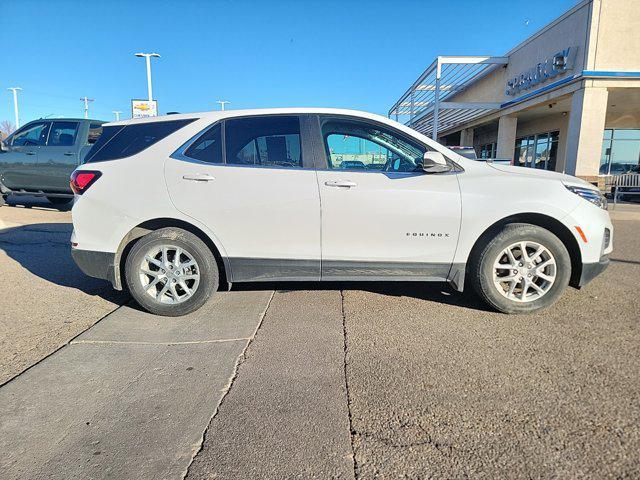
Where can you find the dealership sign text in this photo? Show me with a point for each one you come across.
(543, 71)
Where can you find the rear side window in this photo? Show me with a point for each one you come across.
(208, 147)
(127, 140)
(63, 134)
(267, 141)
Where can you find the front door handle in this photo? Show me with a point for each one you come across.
(341, 183)
(30, 153)
(199, 177)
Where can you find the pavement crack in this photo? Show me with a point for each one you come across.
(60, 347)
(227, 388)
(346, 385)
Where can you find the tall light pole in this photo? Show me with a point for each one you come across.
(15, 104)
(117, 114)
(147, 57)
(86, 105)
(222, 103)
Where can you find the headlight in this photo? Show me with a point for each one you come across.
(589, 194)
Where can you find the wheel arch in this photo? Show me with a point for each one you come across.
(555, 226)
(149, 226)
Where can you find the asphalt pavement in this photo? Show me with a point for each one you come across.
(379, 380)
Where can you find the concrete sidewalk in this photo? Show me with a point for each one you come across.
(287, 414)
(129, 398)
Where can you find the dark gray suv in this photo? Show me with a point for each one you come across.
(38, 158)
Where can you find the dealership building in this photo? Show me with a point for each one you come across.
(565, 99)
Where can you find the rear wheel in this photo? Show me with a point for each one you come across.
(59, 200)
(524, 268)
(171, 272)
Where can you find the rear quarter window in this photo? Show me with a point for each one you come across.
(123, 141)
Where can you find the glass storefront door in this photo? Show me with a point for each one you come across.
(620, 152)
(537, 151)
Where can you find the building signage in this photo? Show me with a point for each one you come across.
(144, 108)
(543, 71)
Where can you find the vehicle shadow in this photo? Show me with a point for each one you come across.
(43, 249)
(431, 291)
(27, 201)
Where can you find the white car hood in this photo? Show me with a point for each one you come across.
(542, 174)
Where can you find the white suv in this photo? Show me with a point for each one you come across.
(172, 206)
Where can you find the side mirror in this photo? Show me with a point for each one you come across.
(3, 148)
(434, 162)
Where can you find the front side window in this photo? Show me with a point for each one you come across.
(272, 141)
(208, 147)
(63, 134)
(125, 141)
(356, 145)
(31, 136)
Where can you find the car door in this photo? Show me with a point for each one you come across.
(382, 215)
(20, 163)
(58, 157)
(257, 195)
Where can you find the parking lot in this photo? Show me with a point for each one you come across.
(312, 381)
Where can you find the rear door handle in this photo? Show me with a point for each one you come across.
(199, 177)
(30, 153)
(341, 183)
(69, 154)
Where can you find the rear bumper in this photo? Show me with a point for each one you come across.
(592, 270)
(98, 265)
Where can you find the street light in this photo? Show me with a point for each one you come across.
(147, 57)
(222, 103)
(117, 114)
(15, 104)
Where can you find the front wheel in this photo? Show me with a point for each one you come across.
(522, 269)
(171, 272)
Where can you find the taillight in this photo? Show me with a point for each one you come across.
(81, 180)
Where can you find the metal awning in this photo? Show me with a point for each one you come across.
(425, 103)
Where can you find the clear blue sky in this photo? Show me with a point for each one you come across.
(352, 54)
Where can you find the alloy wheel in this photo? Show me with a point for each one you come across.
(169, 274)
(524, 271)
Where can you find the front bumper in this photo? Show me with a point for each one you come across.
(592, 270)
(98, 265)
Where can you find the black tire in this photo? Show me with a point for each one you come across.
(59, 200)
(193, 247)
(481, 268)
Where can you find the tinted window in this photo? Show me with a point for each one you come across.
(131, 139)
(31, 135)
(63, 134)
(208, 147)
(355, 145)
(95, 130)
(267, 141)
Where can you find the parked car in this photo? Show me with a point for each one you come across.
(174, 206)
(467, 152)
(38, 158)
